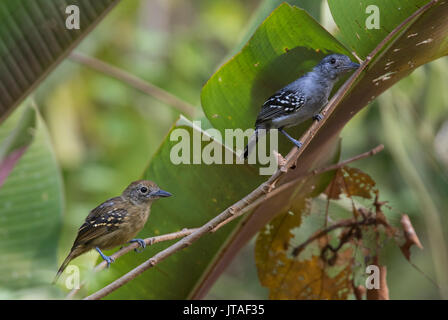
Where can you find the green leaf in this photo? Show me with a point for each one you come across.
(31, 204)
(400, 54)
(313, 7)
(15, 145)
(351, 17)
(34, 39)
(232, 98)
(200, 192)
(288, 44)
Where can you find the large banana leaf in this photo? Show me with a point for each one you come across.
(203, 191)
(356, 27)
(421, 38)
(200, 192)
(288, 43)
(31, 204)
(34, 39)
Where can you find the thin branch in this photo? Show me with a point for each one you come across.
(341, 224)
(135, 82)
(149, 241)
(181, 244)
(238, 209)
(293, 182)
(367, 154)
(265, 187)
(241, 204)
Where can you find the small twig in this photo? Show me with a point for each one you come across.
(149, 241)
(367, 154)
(241, 205)
(349, 223)
(274, 191)
(135, 82)
(224, 218)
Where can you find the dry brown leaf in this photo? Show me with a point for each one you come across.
(272, 242)
(289, 278)
(307, 280)
(410, 235)
(351, 182)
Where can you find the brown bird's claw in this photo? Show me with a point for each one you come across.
(108, 259)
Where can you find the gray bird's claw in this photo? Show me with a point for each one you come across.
(142, 244)
(318, 117)
(297, 143)
(109, 260)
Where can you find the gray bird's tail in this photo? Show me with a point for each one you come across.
(253, 140)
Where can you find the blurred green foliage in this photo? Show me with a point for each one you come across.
(104, 132)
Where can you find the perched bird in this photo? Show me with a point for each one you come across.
(116, 221)
(300, 100)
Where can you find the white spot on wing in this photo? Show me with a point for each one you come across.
(425, 41)
(384, 77)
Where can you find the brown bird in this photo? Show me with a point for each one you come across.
(116, 221)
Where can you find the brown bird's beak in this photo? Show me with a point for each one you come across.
(161, 193)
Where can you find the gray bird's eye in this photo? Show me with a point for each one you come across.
(333, 61)
(143, 189)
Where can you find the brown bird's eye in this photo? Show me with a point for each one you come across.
(333, 61)
(143, 189)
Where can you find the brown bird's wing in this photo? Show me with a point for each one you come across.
(101, 220)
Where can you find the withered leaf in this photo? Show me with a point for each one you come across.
(410, 236)
(351, 182)
(289, 278)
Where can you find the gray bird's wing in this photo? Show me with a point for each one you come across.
(280, 104)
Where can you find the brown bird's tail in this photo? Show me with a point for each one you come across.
(75, 252)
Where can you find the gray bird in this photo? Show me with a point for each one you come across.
(300, 100)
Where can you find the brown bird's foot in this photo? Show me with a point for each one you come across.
(142, 244)
(108, 259)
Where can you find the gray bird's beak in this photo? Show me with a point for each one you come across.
(354, 65)
(161, 193)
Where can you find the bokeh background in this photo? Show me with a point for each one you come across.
(104, 132)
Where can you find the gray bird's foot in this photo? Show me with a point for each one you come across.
(108, 259)
(142, 244)
(297, 143)
(318, 117)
